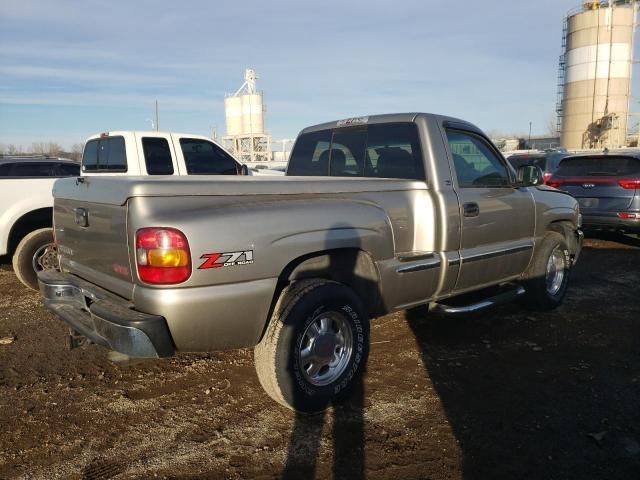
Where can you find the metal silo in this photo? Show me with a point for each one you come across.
(233, 115)
(244, 118)
(252, 113)
(596, 74)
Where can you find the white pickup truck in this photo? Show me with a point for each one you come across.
(25, 192)
(27, 205)
(156, 153)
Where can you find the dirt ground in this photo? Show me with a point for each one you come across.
(505, 394)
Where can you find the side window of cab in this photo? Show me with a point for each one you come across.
(475, 163)
(157, 156)
(106, 154)
(202, 157)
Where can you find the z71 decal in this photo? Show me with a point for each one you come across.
(228, 259)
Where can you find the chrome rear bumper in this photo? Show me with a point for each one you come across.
(104, 318)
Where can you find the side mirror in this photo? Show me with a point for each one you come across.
(244, 170)
(530, 175)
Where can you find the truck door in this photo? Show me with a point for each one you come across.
(497, 219)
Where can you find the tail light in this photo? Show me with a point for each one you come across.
(162, 255)
(555, 183)
(629, 215)
(629, 184)
(546, 177)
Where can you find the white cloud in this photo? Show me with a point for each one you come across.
(91, 99)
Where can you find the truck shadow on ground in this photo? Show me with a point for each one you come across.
(545, 395)
(620, 238)
(536, 395)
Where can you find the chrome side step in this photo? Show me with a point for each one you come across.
(504, 297)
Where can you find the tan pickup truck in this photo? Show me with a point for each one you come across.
(376, 214)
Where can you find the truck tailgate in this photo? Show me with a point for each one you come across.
(92, 240)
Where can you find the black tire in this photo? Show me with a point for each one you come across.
(542, 294)
(278, 357)
(23, 256)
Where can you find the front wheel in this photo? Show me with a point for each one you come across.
(316, 346)
(548, 276)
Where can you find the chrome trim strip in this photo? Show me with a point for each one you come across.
(496, 253)
(433, 263)
(408, 257)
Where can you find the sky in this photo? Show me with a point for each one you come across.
(69, 69)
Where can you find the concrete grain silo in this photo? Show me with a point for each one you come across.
(244, 118)
(595, 74)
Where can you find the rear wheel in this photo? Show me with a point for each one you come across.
(315, 347)
(34, 253)
(548, 276)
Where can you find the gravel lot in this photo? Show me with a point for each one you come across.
(505, 394)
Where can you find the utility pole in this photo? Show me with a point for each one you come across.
(529, 141)
(157, 118)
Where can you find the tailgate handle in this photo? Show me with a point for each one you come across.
(82, 216)
(471, 209)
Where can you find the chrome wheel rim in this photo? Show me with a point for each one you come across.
(46, 258)
(555, 271)
(325, 348)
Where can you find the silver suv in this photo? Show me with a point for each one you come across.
(607, 187)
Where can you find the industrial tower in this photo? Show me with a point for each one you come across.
(595, 74)
(244, 118)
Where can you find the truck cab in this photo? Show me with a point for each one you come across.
(134, 153)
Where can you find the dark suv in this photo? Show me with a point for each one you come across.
(547, 161)
(607, 187)
(37, 167)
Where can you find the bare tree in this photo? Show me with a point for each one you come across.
(76, 152)
(39, 148)
(54, 149)
(12, 150)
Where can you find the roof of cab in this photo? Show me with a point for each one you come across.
(35, 159)
(391, 118)
(148, 133)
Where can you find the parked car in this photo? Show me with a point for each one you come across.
(37, 166)
(607, 187)
(25, 223)
(376, 214)
(547, 161)
(25, 216)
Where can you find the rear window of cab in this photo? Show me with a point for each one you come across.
(39, 169)
(105, 155)
(372, 151)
